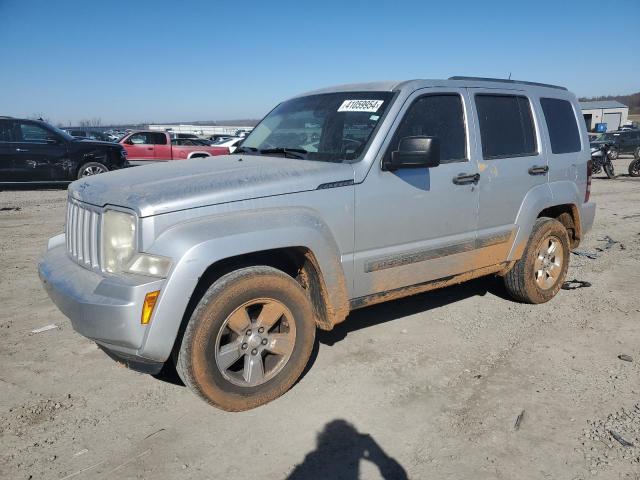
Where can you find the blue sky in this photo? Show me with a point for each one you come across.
(156, 60)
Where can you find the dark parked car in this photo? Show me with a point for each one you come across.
(89, 134)
(34, 151)
(621, 142)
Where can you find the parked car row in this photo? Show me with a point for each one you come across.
(620, 142)
(34, 151)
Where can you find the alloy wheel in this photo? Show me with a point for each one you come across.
(255, 342)
(548, 264)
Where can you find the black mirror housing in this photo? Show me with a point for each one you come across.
(415, 152)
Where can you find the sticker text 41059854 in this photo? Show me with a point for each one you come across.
(360, 106)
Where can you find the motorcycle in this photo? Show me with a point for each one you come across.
(601, 160)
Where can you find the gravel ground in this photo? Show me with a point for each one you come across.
(457, 383)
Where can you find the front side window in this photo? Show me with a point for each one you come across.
(561, 124)
(506, 126)
(34, 133)
(331, 127)
(140, 138)
(440, 116)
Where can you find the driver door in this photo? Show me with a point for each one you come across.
(415, 225)
(140, 146)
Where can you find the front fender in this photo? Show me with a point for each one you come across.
(197, 244)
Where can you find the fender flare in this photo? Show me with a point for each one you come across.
(198, 244)
(191, 154)
(535, 201)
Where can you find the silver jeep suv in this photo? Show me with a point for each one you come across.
(338, 199)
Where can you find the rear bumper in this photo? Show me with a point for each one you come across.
(103, 308)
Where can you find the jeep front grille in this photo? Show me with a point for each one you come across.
(82, 232)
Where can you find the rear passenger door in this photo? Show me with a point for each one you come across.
(512, 163)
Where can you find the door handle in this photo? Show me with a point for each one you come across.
(464, 179)
(21, 150)
(149, 148)
(536, 170)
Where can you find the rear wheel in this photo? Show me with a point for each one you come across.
(634, 168)
(248, 339)
(539, 274)
(92, 168)
(613, 154)
(636, 154)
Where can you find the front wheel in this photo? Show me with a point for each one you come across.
(539, 274)
(92, 168)
(634, 168)
(612, 154)
(608, 168)
(248, 340)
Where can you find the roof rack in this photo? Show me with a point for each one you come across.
(504, 80)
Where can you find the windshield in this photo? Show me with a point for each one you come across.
(606, 137)
(331, 127)
(62, 133)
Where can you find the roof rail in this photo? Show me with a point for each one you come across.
(5, 116)
(504, 80)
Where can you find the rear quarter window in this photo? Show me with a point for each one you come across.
(506, 126)
(561, 124)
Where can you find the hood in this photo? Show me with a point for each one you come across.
(82, 142)
(183, 184)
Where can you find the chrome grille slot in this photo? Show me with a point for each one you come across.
(82, 230)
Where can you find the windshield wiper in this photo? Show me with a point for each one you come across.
(293, 152)
(245, 149)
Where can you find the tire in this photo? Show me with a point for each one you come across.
(634, 168)
(94, 167)
(608, 169)
(636, 154)
(613, 154)
(214, 337)
(522, 280)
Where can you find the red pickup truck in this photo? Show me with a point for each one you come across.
(148, 146)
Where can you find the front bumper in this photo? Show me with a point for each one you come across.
(103, 308)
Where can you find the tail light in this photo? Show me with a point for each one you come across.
(587, 193)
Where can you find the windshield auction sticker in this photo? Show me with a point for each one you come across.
(371, 106)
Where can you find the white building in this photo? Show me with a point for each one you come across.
(201, 130)
(613, 113)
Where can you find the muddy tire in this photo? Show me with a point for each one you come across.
(608, 169)
(539, 274)
(248, 340)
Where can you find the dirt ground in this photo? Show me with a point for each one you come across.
(430, 387)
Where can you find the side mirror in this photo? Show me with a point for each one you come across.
(415, 152)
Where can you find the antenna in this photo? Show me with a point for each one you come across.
(509, 75)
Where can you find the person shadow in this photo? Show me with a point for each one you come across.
(340, 448)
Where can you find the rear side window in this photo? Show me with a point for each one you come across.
(506, 126)
(439, 116)
(158, 138)
(6, 133)
(562, 125)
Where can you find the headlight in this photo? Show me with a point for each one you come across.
(118, 240)
(153, 265)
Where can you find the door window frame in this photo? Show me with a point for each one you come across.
(410, 102)
(534, 121)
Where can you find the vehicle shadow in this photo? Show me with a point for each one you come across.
(422, 302)
(382, 313)
(340, 448)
